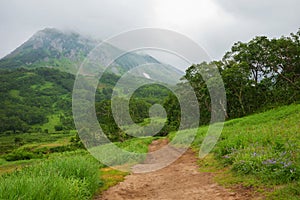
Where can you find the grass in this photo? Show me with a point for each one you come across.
(134, 150)
(68, 175)
(10, 166)
(261, 151)
(53, 120)
(144, 129)
(265, 145)
(110, 177)
(65, 176)
(8, 143)
(31, 142)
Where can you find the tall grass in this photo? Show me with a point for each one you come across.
(60, 177)
(67, 175)
(265, 145)
(112, 156)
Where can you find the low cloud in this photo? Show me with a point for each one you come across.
(214, 24)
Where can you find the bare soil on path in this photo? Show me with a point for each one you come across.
(180, 180)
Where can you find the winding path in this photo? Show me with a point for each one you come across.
(180, 180)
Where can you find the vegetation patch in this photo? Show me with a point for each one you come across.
(134, 151)
(110, 177)
(65, 177)
(260, 151)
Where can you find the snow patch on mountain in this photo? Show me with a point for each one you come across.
(146, 75)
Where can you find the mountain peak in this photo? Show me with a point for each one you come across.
(66, 51)
(49, 30)
(46, 47)
(56, 33)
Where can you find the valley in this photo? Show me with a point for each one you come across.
(43, 151)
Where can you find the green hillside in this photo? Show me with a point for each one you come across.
(30, 97)
(40, 101)
(260, 151)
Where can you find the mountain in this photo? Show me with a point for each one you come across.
(66, 51)
(50, 48)
(37, 82)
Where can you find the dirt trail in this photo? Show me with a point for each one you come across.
(180, 180)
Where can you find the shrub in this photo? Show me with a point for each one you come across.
(20, 154)
(58, 127)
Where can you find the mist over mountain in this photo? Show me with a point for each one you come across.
(50, 48)
(66, 51)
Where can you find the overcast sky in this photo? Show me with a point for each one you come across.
(214, 24)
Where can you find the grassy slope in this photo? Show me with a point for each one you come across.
(113, 157)
(77, 174)
(261, 151)
(8, 143)
(53, 120)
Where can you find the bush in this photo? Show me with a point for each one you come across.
(62, 148)
(20, 154)
(30, 153)
(58, 127)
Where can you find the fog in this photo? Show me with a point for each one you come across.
(213, 24)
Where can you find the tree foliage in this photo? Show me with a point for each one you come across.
(257, 75)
